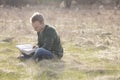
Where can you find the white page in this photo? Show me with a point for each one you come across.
(26, 48)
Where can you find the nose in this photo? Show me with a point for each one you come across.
(35, 27)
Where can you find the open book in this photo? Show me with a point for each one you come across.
(26, 48)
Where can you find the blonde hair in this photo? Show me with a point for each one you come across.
(37, 17)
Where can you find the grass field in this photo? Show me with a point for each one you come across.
(90, 38)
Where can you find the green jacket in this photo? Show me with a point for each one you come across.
(48, 39)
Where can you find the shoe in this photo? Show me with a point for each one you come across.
(23, 58)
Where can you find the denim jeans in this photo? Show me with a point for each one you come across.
(41, 54)
(38, 55)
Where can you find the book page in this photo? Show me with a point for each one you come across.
(26, 48)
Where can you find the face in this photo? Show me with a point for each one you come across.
(38, 26)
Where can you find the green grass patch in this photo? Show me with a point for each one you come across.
(73, 75)
(13, 69)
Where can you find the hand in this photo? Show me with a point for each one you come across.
(34, 47)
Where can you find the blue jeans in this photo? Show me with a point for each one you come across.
(41, 54)
(38, 55)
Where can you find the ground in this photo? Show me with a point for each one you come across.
(90, 38)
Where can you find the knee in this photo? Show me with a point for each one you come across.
(38, 54)
(38, 51)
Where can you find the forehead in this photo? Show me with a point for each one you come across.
(36, 23)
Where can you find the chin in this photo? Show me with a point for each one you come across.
(37, 30)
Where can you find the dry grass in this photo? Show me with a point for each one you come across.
(90, 39)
